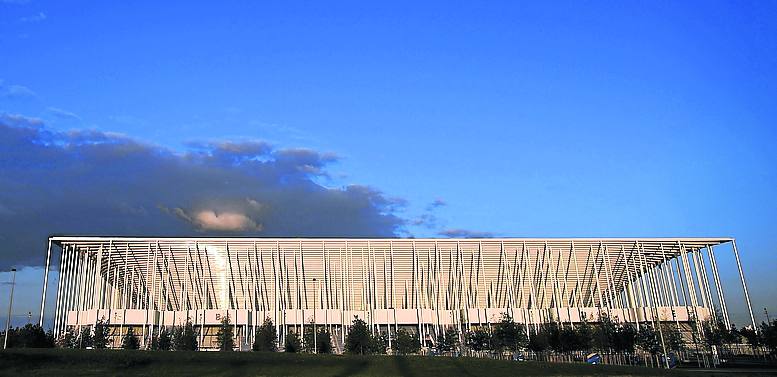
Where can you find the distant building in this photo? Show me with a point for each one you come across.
(421, 284)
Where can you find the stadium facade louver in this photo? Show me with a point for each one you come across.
(421, 284)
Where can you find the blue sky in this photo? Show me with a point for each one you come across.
(546, 119)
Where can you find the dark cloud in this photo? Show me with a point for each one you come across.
(437, 203)
(93, 182)
(464, 233)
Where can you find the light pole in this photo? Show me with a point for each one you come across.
(10, 305)
(315, 306)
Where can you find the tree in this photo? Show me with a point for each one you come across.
(508, 335)
(85, 338)
(292, 344)
(162, 342)
(101, 333)
(184, 337)
(225, 336)
(29, 336)
(769, 335)
(647, 340)
(605, 334)
(674, 339)
(753, 338)
(69, 339)
(448, 341)
(538, 341)
(378, 343)
(308, 340)
(553, 334)
(478, 339)
(323, 341)
(358, 339)
(407, 342)
(266, 337)
(714, 333)
(581, 338)
(130, 341)
(625, 338)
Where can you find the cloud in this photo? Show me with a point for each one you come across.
(40, 16)
(464, 233)
(63, 114)
(429, 219)
(437, 203)
(93, 182)
(15, 91)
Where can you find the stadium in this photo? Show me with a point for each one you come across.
(423, 285)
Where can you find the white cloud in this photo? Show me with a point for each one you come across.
(225, 221)
(34, 18)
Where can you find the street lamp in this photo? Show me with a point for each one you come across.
(10, 305)
(315, 306)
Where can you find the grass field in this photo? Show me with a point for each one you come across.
(61, 362)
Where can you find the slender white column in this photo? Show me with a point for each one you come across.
(45, 284)
(744, 284)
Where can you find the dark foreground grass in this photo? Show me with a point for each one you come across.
(63, 362)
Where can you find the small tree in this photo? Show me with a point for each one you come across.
(358, 339)
(509, 335)
(625, 338)
(30, 336)
(769, 335)
(225, 336)
(407, 342)
(101, 334)
(379, 343)
(324, 341)
(266, 337)
(448, 341)
(753, 338)
(538, 341)
(184, 337)
(292, 343)
(162, 342)
(307, 338)
(130, 341)
(85, 339)
(605, 334)
(478, 339)
(647, 340)
(69, 339)
(674, 339)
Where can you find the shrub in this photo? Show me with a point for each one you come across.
(184, 337)
(478, 339)
(292, 343)
(266, 337)
(100, 337)
(508, 335)
(378, 343)
(162, 342)
(130, 341)
(85, 338)
(323, 341)
(407, 342)
(448, 341)
(358, 339)
(225, 336)
(538, 342)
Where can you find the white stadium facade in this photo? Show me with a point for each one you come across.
(424, 285)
